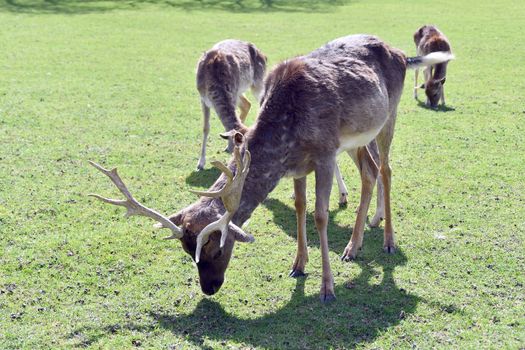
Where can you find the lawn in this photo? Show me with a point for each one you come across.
(114, 82)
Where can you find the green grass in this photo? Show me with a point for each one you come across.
(113, 82)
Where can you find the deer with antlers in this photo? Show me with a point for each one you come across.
(336, 99)
(224, 73)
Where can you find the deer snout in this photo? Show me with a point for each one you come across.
(211, 287)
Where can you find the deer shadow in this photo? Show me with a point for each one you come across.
(439, 108)
(203, 178)
(365, 307)
(73, 7)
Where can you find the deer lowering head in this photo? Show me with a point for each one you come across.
(338, 98)
(224, 73)
(429, 40)
(206, 234)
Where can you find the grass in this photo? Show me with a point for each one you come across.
(113, 81)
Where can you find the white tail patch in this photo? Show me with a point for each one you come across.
(434, 58)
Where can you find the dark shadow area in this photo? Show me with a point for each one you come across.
(203, 178)
(241, 6)
(365, 307)
(338, 236)
(439, 108)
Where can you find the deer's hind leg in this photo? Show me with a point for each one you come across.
(384, 140)
(324, 175)
(205, 132)
(416, 87)
(343, 191)
(380, 204)
(245, 106)
(368, 171)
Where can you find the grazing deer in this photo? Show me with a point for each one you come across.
(338, 98)
(429, 39)
(224, 73)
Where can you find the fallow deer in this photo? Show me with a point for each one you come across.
(338, 98)
(224, 73)
(429, 39)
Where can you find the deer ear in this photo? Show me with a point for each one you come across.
(226, 135)
(442, 80)
(240, 235)
(422, 86)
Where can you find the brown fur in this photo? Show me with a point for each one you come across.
(224, 73)
(430, 39)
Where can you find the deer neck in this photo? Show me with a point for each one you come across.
(269, 148)
(440, 71)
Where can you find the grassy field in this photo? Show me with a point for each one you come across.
(113, 81)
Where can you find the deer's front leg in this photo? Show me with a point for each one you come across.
(324, 175)
(301, 257)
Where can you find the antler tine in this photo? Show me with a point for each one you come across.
(230, 195)
(225, 189)
(132, 205)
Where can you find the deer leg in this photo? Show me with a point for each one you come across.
(427, 72)
(245, 106)
(384, 140)
(257, 89)
(380, 207)
(343, 192)
(301, 257)
(324, 176)
(368, 170)
(205, 131)
(443, 95)
(416, 87)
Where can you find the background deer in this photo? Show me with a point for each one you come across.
(224, 73)
(429, 39)
(338, 98)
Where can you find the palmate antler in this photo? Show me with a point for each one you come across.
(132, 205)
(230, 195)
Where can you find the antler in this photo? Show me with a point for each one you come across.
(230, 195)
(132, 205)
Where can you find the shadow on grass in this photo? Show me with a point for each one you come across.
(365, 307)
(440, 108)
(203, 178)
(240, 6)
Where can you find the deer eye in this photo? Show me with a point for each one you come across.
(218, 254)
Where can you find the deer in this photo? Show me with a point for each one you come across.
(336, 99)
(429, 39)
(224, 73)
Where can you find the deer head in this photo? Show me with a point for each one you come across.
(204, 228)
(433, 90)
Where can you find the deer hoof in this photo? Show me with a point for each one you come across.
(327, 298)
(389, 249)
(297, 273)
(376, 221)
(343, 200)
(350, 253)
